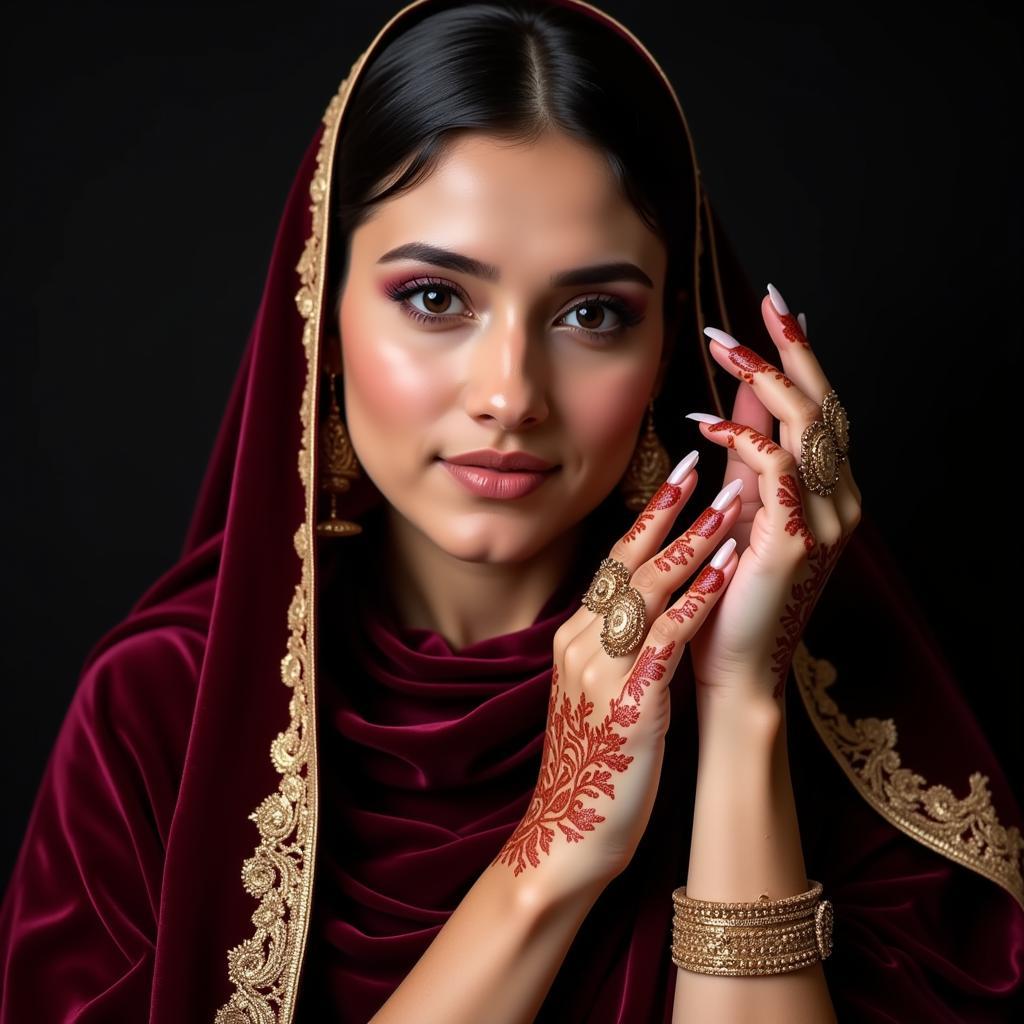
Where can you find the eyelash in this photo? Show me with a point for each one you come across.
(399, 293)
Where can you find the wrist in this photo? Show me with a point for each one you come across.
(536, 895)
(744, 716)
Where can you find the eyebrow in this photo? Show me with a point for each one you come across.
(596, 274)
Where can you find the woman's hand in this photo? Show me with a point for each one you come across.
(607, 716)
(788, 537)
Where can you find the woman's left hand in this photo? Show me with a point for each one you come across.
(788, 537)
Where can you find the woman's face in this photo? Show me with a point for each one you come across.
(535, 326)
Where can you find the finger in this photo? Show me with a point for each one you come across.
(671, 631)
(653, 523)
(649, 529)
(746, 408)
(785, 500)
(794, 409)
(803, 367)
(659, 577)
(661, 651)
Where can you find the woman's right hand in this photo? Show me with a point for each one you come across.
(608, 716)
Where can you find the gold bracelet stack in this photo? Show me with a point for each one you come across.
(764, 937)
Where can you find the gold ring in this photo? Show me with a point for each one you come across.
(819, 461)
(623, 608)
(835, 418)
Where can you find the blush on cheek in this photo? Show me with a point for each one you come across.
(601, 415)
(391, 385)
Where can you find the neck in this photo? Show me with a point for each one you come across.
(467, 602)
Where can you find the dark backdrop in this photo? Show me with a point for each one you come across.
(868, 164)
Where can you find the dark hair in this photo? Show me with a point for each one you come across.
(513, 70)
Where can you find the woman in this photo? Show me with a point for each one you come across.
(446, 634)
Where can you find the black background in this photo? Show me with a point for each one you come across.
(866, 162)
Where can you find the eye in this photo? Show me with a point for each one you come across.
(437, 297)
(592, 311)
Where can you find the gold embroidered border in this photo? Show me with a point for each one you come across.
(265, 967)
(966, 830)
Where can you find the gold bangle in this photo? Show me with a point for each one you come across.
(759, 938)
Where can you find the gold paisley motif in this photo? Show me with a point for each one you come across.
(966, 830)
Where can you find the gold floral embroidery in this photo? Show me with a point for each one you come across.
(967, 830)
(265, 967)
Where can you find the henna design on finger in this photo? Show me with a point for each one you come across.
(573, 751)
(709, 581)
(793, 331)
(822, 561)
(749, 362)
(666, 496)
(763, 442)
(681, 550)
(789, 497)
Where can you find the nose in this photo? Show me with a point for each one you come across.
(507, 378)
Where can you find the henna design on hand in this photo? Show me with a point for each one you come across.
(666, 496)
(681, 550)
(749, 363)
(735, 429)
(793, 331)
(789, 496)
(708, 581)
(573, 751)
(822, 561)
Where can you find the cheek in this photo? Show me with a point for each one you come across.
(388, 388)
(602, 414)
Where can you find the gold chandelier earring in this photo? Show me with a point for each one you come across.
(339, 467)
(648, 469)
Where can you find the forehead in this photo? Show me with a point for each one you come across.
(519, 205)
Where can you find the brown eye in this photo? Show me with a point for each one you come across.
(436, 300)
(590, 316)
(593, 320)
(436, 297)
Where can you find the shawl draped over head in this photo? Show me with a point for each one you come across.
(266, 798)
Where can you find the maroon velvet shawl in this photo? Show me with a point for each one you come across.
(221, 752)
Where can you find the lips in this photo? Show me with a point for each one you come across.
(490, 458)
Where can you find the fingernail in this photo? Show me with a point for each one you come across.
(703, 417)
(802, 320)
(726, 495)
(726, 339)
(723, 554)
(778, 301)
(680, 472)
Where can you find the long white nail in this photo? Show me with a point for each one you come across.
(724, 553)
(703, 417)
(802, 319)
(726, 495)
(679, 473)
(778, 301)
(720, 336)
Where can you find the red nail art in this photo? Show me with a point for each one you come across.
(573, 752)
